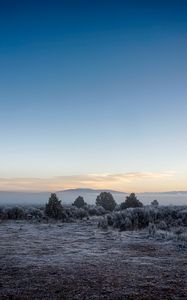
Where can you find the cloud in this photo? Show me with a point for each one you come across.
(120, 181)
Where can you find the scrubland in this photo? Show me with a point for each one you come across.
(91, 253)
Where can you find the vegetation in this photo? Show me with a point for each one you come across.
(15, 213)
(53, 208)
(79, 202)
(52, 211)
(155, 203)
(131, 201)
(157, 218)
(160, 221)
(106, 200)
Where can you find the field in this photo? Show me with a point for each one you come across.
(78, 260)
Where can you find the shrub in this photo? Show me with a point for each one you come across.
(152, 229)
(126, 225)
(94, 210)
(80, 213)
(183, 216)
(16, 213)
(34, 213)
(162, 218)
(103, 223)
(3, 214)
(162, 225)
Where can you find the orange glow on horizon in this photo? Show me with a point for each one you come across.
(126, 182)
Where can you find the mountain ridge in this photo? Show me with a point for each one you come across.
(89, 190)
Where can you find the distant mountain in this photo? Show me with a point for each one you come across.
(82, 190)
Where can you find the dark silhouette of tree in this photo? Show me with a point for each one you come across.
(53, 208)
(106, 200)
(155, 203)
(131, 201)
(79, 202)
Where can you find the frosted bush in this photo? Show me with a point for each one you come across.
(127, 224)
(3, 214)
(140, 217)
(117, 219)
(183, 237)
(16, 213)
(178, 231)
(160, 234)
(183, 216)
(152, 230)
(103, 223)
(162, 225)
(81, 213)
(110, 220)
(94, 210)
(34, 213)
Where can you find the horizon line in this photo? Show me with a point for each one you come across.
(92, 189)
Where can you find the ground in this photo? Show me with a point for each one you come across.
(79, 261)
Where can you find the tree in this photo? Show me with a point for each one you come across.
(155, 203)
(106, 200)
(53, 208)
(79, 202)
(131, 201)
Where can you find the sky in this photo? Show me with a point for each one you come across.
(93, 94)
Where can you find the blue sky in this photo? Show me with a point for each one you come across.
(93, 88)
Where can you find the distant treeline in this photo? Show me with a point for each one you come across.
(129, 215)
(54, 209)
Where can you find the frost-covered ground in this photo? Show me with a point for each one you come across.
(79, 261)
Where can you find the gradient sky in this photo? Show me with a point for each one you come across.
(93, 94)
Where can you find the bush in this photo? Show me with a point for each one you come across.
(161, 218)
(3, 214)
(103, 223)
(34, 213)
(95, 210)
(80, 213)
(16, 213)
(162, 225)
(183, 216)
(106, 200)
(131, 201)
(126, 224)
(152, 229)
